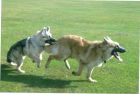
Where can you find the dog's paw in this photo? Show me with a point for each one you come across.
(21, 71)
(92, 80)
(75, 73)
(33, 61)
(46, 67)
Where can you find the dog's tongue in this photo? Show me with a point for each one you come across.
(117, 56)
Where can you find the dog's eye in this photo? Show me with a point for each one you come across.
(49, 37)
(117, 46)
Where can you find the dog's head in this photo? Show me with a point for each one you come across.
(114, 48)
(45, 36)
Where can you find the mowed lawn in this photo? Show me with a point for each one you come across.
(92, 20)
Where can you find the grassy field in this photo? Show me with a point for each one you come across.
(90, 19)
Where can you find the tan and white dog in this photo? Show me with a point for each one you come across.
(88, 53)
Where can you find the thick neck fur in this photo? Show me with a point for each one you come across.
(98, 49)
(103, 49)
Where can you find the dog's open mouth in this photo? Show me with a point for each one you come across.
(115, 52)
(117, 55)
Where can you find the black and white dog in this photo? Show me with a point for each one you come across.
(32, 46)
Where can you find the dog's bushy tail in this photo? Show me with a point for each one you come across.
(9, 60)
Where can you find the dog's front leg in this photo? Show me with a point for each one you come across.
(19, 64)
(90, 69)
(67, 64)
(37, 60)
(78, 73)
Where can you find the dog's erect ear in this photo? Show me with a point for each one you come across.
(42, 31)
(48, 31)
(48, 28)
(107, 39)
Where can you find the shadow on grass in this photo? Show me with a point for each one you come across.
(7, 74)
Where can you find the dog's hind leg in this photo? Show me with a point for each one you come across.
(57, 57)
(78, 73)
(67, 64)
(51, 57)
(19, 65)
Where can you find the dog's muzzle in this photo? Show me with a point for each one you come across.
(50, 41)
(115, 52)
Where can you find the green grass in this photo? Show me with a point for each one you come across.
(90, 19)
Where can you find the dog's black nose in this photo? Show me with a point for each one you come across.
(119, 49)
(122, 50)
